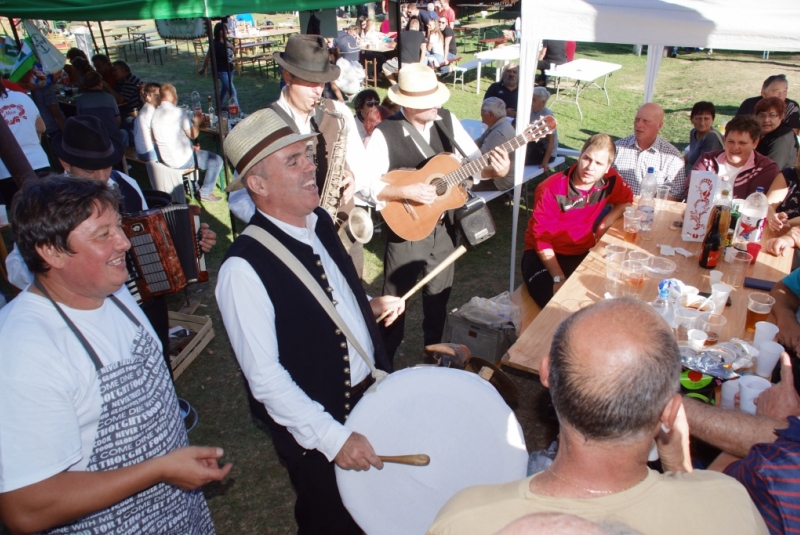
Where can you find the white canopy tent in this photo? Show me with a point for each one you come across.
(721, 24)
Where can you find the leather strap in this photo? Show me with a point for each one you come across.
(278, 249)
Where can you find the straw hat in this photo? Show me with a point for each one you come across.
(306, 56)
(256, 137)
(418, 88)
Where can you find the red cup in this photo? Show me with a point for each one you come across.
(753, 249)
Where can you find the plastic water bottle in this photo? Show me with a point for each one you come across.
(647, 203)
(663, 304)
(752, 216)
(212, 114)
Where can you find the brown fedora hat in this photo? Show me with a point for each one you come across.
(306, 56)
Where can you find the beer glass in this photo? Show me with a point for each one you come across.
(631, 225)
(759, 306)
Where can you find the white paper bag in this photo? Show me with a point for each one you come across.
(699, 201)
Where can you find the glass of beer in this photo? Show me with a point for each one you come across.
(633, 273)
(712, 324)
(631, 225)
(759, 305)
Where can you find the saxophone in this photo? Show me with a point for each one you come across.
(355, 225)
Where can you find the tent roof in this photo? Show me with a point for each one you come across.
(725, 24)
(149, 9)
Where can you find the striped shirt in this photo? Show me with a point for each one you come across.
(128, 88)
(771, 473)
(632, 163)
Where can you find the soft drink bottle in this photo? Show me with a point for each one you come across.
(752, 216)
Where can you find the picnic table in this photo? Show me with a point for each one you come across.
(588, 283)
(128, 27)
(585, 73)
(503, 53)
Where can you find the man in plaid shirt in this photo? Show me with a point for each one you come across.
(646, 149)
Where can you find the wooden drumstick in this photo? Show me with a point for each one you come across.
(438, 269)
(419, 459)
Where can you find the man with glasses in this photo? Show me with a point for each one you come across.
(775, 86)
(449, 39)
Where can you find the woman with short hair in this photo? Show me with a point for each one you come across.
(778, 141)
(703, 137)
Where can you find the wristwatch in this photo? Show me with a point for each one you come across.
(558, 279)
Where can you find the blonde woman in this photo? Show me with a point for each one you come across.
(435, 44)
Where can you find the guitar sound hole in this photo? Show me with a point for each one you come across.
(440, 185)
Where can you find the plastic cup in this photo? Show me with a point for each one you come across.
(764, 332)
(715, 277)
(769, 353)
(729, 390)
(713, 325)
(697, 339)
(615, 255)
(631, 225)
(759, 305)
(738, 268)
(753, 249)
(750, 387)
(3, 215)
(639, 256)
(633, 277)
(685, 320)
(719, 296)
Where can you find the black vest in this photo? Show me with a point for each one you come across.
(403, 152)
(131, 200)
(310, 346)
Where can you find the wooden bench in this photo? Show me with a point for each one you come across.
(461, 69)
(531, 172)
(491, 42)
(157, 48)
(527, 306)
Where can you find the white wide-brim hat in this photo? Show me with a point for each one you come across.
(418, 88)
(256, 137)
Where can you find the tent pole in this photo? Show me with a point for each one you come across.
(16, 35)
(94, 41)
(103, 37)
(215, 76)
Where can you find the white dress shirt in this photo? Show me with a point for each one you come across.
(249, 317)
(378, 149)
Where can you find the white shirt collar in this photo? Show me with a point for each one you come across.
(301, 234)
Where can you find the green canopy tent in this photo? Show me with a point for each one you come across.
(150, 9)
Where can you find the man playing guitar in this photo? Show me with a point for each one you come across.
(407, 139)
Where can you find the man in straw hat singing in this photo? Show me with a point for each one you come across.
(306, 69)
(421, 127)
(305, 374)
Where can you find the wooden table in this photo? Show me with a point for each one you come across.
(584, 72)
(589, 283)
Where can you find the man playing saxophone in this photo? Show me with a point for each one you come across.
(306, 69)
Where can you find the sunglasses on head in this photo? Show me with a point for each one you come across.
(372, 103)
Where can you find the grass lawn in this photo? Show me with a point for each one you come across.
(257, 497)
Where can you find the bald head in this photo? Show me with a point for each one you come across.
(562, 524)
(647, 124)
(613, 367)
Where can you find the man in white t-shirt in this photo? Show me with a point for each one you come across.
(173, 132)
(91, 437)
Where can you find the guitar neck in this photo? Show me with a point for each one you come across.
(467, 170)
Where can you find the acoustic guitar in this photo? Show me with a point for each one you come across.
(414, 221)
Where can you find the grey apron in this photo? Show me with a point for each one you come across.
(140, 420)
